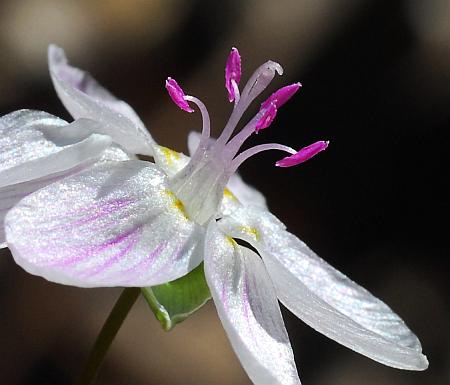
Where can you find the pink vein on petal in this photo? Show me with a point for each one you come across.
(174, 257)
(247, 310)
(117, 257)
(145, 263)
(91, 250)
(104, 209)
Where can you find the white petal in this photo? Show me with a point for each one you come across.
(21, 139)
(244, 193)
(248, 308)
(116, 153)
(36, 149)
(168, 160)
(323, 297)
(116, 224)
(85, 98)
(34, 144)
(194, 140)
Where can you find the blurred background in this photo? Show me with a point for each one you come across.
(376, 83)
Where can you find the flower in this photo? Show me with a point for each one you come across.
(136, 223)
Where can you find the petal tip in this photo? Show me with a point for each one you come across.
(56, 55)
(424, 363)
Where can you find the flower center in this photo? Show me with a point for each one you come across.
(200, 185)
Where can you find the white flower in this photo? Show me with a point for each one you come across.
(136, 223)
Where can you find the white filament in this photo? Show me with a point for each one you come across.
(243, 156)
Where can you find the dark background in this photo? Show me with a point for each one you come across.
(376, 83)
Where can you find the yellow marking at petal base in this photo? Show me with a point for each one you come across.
(170, 155)
(252, 231)
(228, 194)
(170, 193)
(176, 203)
(231, 241)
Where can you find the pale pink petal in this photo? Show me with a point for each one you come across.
(323, 297)
(117, 224)
(245, 193)
(248, 308)
(85, 98)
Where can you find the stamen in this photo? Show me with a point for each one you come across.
(264, 117)
(268, 115)
(200, 185)
(303, 155)
(281, 96)
(233, 74)
(233, 146)
(257, 83)
(237, 95)
(206, 130)
(177, 95)
(243, 156)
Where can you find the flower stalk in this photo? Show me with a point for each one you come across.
(109, 331)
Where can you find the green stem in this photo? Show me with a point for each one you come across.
(109, 330)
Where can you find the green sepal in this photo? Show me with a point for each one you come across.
(175, 301)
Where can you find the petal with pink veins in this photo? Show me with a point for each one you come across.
(248, 308)
(322, 296)
(116, 224)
